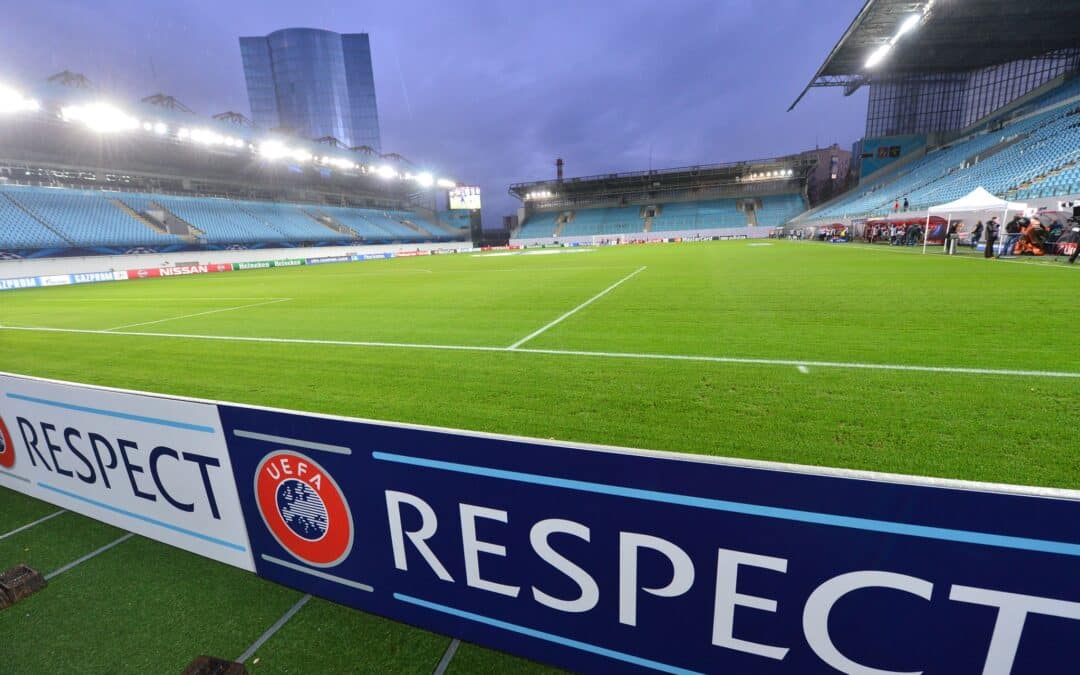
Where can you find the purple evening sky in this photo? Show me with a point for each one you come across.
(490, 91)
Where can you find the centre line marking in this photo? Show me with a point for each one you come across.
(959, 370)
(188, 316)
(580, 307)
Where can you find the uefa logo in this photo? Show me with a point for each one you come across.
(303, 508)
(7, 448)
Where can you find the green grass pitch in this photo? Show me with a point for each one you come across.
(424, 340)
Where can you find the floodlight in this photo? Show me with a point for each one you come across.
(273, 149)
(183, 133)
(301, 155)
(446, 183)
(12, 101)
(878, 54)
(160, 128)
(425, 179)
(387, 172)
(100, 117)
(909, 25)
(147, 126)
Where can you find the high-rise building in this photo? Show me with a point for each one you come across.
(315, 82)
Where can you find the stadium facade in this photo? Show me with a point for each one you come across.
(315, 82)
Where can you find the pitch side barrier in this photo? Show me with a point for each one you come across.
(598, 559)
(184, 270)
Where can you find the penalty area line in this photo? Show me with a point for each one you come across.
(577, 309)
(188, 316)
(955, 370)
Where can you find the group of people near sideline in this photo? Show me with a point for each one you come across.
(1020, 236)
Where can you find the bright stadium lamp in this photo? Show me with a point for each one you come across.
(12, 101)
(386, 172)
(160, 129)
(183, 133)
(425, 179)
(877, 55)
(100, 117)
(301, 155)
(273, 149)
(446, 183)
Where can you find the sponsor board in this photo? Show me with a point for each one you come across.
(24, 282)
(56, 280)
(323, 261)
(144, 273)
(94, 277)
(409, 254)
(155, 466)
(594, 558)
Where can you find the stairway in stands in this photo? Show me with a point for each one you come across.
(138, 216)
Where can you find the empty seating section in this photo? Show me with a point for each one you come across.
(34, 218)
(779, 209)
(291, 221)
(585, 222)
(699, 215)
(539, 225)
(18, 229)
(221, 220)
(1034, 156)
(81, 218)
(712, 214)
(376, 225)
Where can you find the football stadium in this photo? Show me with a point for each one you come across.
(273, 400)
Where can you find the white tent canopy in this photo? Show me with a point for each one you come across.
(976, 201)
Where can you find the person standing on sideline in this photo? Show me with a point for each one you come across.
(896, 205)
(906, 205)
(991, 236)
(1012, 235)
(976, 235)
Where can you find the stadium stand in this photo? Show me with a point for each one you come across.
(23, 230)
(779, 209)
(47, 218)
(82, 218)
(715, 214)
(698, 215)
(1035, 154)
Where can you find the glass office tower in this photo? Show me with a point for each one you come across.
(315, 82)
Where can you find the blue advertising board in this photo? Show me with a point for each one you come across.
(605, 559)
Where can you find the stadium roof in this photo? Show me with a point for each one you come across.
(952, 35)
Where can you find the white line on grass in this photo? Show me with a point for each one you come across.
(580, 307)
(274, 629)
(88, 556)
(29, 525)
(188, 316)
(447, 657)
(569, 352)
(803, 369)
